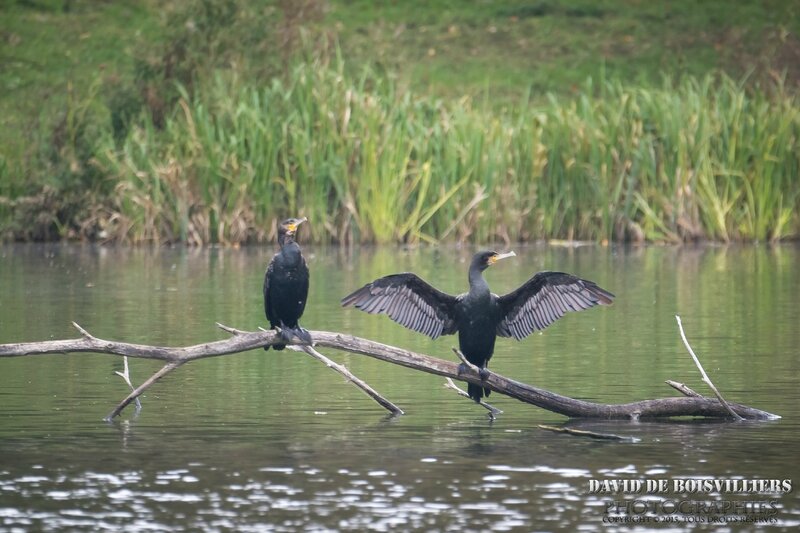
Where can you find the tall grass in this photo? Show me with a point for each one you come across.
(368, 163)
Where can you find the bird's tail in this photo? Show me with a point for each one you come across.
(476, 392)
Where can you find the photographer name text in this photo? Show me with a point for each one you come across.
(690, 486)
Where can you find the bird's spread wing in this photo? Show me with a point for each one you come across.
(545, 298)
(409, 301)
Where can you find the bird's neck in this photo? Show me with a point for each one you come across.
(284, 239)
(477, 283)
(290, 251)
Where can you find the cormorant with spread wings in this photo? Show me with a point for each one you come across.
(478, 316)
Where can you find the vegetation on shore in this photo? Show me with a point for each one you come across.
(694, 159)
(194, 150)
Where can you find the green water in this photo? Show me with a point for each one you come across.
(266, 441)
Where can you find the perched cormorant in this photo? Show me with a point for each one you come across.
(478, 316)
(286, 285)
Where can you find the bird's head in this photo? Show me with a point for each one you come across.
(483, 260)
(288, 228)
(290, 225)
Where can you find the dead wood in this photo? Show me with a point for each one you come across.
(590, 434)
(696, 406)
(706, 379)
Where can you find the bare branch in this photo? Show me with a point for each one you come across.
(657, 408)
(683, 389)
(166, 369)
(126, 375)
(591, 434)
(341, 369)
(232, 331)
(493, 411)
(83, 331)
(706, 379)
(466, 363)
(241, 342)
(245, 340)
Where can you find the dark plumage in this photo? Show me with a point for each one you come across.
(478, 316)
(286, 285)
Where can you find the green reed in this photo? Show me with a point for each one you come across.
(366, 162)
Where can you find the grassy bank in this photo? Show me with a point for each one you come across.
(451, 48)
(365, 163)
(458, 121)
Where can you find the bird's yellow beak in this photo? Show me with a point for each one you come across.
(497, 257)
(293, 227)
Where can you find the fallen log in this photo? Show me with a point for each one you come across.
(240, 341)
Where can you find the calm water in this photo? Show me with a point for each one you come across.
(275, 441)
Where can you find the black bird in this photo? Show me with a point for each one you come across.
(478, 316)
(286, 285)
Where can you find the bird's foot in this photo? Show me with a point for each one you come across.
(463, 369)
(484, 374)
(303, 335)
(285, 333)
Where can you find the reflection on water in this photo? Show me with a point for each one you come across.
(266, 440)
